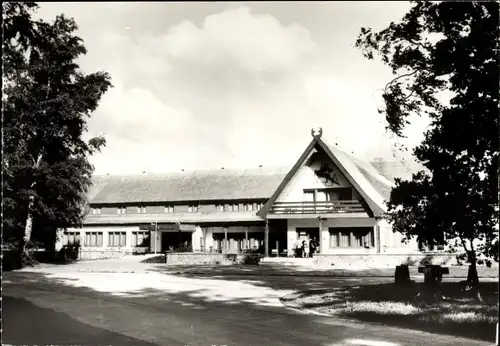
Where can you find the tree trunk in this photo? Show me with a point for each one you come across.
(24, 255)
(472, 277)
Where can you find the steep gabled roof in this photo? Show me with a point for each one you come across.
(370, 184)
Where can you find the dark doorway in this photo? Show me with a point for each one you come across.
(312, 232)
(176, 241)
(311, 236)
(278, 238)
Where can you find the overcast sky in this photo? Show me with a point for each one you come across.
(206, 85)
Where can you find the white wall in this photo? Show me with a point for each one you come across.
(293, 224)
(196, 239)
(305, 178)
(391, 242)
(105, 236)
(209, 236)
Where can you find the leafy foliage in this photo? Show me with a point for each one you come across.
(47, 101)
(450, 47)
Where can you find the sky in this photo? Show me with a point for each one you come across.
(232, 84)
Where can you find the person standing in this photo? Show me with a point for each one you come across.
(306, 246)
(313, 246)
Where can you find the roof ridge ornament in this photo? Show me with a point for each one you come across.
(317, 133)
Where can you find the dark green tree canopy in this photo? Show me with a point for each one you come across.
(47, 101)
(452, 47)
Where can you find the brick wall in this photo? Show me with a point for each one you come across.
(104, 253)
(210, 258)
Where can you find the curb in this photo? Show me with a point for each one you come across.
(332, 275)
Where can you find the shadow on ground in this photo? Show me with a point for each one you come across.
(193, 310)
(167, 316)
(280, 269)
(25, 323)
(446, 309)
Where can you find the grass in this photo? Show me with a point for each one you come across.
(445, 309)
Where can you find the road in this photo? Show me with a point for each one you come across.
(159, 309)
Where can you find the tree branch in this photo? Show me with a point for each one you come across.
(399, 77)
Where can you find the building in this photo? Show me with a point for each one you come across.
(329, 195)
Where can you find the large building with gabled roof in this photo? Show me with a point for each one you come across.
(329, 195)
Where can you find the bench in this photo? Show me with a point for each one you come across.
(433, 273)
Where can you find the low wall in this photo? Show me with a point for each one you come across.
(194, 258)
(106, 253)
(381, 260)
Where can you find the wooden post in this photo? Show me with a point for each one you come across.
(247, 245)
(226, 245)
(277, 249)
(266, 239)
(377, 239)
(320, 240)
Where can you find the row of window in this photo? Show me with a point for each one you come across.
(236, 207)
(115, 239)
(191, 208)
(342, 238)
(345, 238)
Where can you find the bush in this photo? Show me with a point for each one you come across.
(251, 259)
(11, 260)
(184, 248)
(156, 259)
(69, 252)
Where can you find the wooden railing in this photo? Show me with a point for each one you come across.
(317, 207)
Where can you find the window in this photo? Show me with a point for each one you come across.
(220, 207)
(140, 238)
(236, 207)
(352, 237)
(249, 207)
(169, 209)
(308, 196)
(121, 210)
(328, 195)
(141, 210)
(193, 209)
(71, 238)
(340, 239)
(95, 211)
(93, 238)
(117, 239)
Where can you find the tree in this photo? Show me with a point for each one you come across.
(452, 47)
(47, 101)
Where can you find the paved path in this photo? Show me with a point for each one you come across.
(63, 306)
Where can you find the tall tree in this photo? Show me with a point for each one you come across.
(452, 47)
(47, 101)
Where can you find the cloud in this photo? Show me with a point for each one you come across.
(232, 87)
(241, 39)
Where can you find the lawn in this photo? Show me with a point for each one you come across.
(447, 309)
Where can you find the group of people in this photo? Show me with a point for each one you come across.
(306, 248)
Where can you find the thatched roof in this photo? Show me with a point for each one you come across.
(375, 185)
(372, 184)
(215, 217)
(236, 184)
(206, 185)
